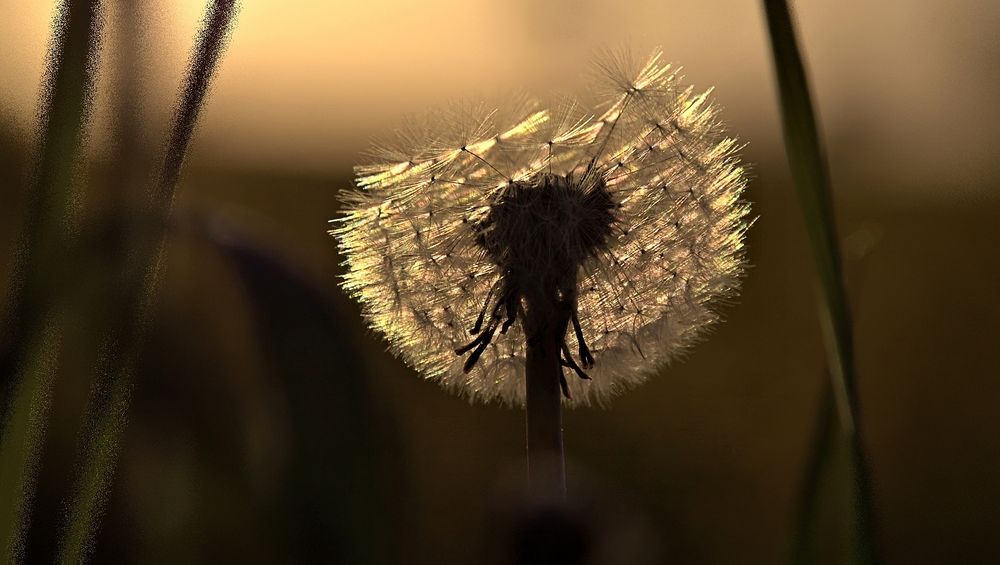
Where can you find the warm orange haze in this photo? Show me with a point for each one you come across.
(323, 78)
(267, 422)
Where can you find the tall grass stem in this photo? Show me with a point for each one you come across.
(125, 335)
(36, 311)
(809, 171)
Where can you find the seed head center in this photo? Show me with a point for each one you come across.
(539, 232)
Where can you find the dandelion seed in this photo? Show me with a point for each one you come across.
(625, 227)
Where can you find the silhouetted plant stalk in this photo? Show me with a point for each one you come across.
(543, 417)
(123, 342)
(540, 259)
(809, 169)
(44, 263)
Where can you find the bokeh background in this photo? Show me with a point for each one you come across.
(269, 425)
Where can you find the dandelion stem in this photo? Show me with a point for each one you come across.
(546, 469)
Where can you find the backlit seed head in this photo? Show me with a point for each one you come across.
(627, 226)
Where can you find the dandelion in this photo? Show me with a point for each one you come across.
(590, 248)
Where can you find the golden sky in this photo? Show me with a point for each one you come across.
(305, 84)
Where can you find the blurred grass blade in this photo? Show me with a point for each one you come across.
(809, 171)
(109, 411)
(24, 433)
(212, 38)
(34, 324)
(820, 528)
(344, 465)
(100, 448)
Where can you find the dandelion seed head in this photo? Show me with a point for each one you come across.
(628, 222)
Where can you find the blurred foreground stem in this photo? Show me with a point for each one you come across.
(23, 436)
(43, 266)
(809, 171)
(124, 338)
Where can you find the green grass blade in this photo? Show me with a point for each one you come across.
(126, 331)
(819, 534)
(809, 170)
(34, 323)
(103, 438)
(24, 432)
